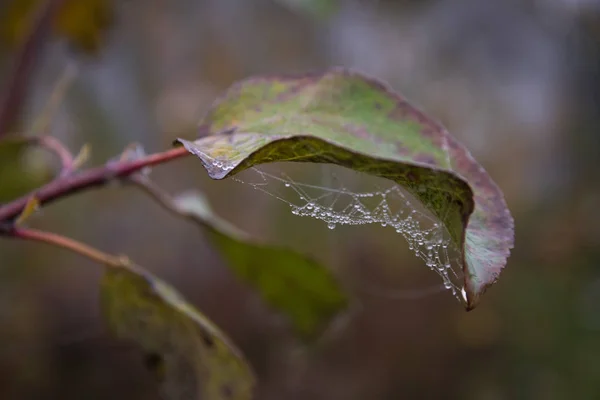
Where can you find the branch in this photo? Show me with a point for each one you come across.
(55, 146)
(160, 196)
(207, 221)
(12, 101)
(57, 240)
(68, 184)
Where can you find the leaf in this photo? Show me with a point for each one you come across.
(82, 22)
(354, 121)
(190, 354)
(21, 168)
(301, 288)
(31, 207)
(82, 157)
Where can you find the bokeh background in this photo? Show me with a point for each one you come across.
(517, 81)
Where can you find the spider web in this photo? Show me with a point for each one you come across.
(388, 205)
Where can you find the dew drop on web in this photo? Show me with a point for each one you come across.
(388, 207)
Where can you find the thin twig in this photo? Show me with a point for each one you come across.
(167, 202)
(67, 185)
(54, 145)
(12, 101)
(156, 193)
(57, 240)
(208, 221)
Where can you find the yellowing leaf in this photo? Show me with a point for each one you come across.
(82, 157)
(32, 206)
(193, 358)
(82, 22)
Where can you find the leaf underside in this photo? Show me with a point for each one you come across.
(345, 118)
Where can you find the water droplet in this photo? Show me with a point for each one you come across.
(384, 224)
(287, 185)
(331, 225)
(463, 293)
(447, 284)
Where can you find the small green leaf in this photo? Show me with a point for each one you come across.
(301, 288)
(344, 118)
(190, 355)
(20, 170)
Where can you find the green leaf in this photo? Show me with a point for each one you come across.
(301, 288)
(189, 354)
(20, 170)
(344, 118)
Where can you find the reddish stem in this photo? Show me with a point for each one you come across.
(57, 240)
(99, 176)
(54, 145)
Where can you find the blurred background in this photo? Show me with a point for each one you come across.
(517, 81)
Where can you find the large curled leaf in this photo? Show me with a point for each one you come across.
(345, 118)
(298, 286)
(195, 357)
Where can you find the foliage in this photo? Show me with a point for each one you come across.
(292, 283)
(344, 118)
(194, 356)
(19, 171)
(338, 117)
(81, 22)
